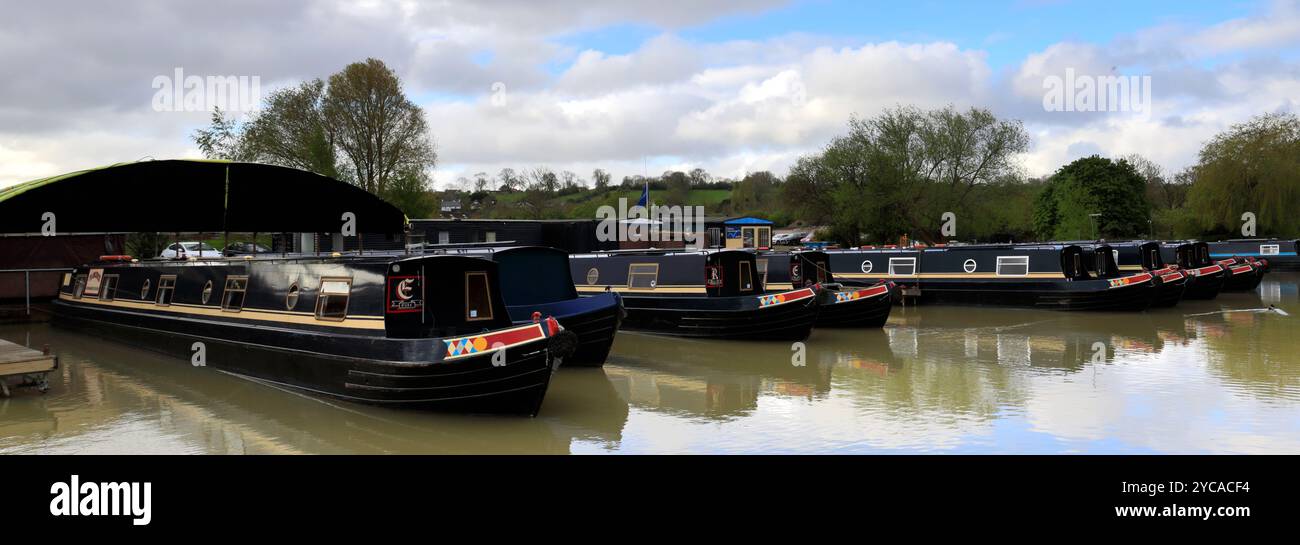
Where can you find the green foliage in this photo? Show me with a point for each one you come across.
(1252, 167)
(1093, 185)
(409, 192)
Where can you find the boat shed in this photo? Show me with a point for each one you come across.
(738, 232)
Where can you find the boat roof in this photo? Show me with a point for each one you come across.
(192, 195)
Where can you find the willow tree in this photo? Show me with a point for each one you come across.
(1252, 167)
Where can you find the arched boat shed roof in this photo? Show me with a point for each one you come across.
(193, 196)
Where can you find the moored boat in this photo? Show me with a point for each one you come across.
(1243, 274)
(1051, 276)
(1279, 254)
(428, 332)
(713, 294)
(839, 305)
(536, 281)
(1138, 255)
(1205, 277)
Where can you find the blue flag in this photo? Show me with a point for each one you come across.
(645, 196)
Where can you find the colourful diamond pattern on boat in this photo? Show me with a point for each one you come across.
(845, 296)
(496, 340)
(784, 297)
(1135, 279)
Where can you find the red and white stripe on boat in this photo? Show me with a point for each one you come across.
(1130, 280)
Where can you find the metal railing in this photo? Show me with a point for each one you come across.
(27, 281)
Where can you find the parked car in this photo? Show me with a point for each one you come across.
(245, 248)
(788, 238)
(182, 250)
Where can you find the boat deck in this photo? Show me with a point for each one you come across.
(22, 366)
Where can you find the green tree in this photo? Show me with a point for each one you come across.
(409, 191)
(1094, 185)
(1252, 167)
(600, 177)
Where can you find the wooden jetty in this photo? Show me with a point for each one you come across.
(21, 366)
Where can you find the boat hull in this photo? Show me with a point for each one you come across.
(1057, 295)
(1243, 278)
(594, 319)
(1204, 286)
(404, 373)
(1170, 290)
(868, 310)
(737, 317)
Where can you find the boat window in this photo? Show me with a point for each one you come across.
(642, 275)
(109, 289)
(593, 276)
(746, 276)
(821, 271)
(1268, 249)
(902, 266)
(232, 297)
(1013, 265)
(166, 285)
(79, 287)
(490, 236)
(144, 290)
(478, 296)
(969, 266)
(67, 278)
(444, 237)
(291, 299)
(332, 303)
(207, 291)
(866, 266)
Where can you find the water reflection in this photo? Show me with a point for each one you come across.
(1207, 376)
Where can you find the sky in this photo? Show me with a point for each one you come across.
(640, 87)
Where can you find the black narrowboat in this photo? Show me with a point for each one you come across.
(535, 281)
(1242, 273)
(711, 294)
(1137, 256)
(1277, 254)
(1053, 276)
(1205, 277)
(429, 331)
(838, 305)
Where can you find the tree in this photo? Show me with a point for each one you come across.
(1252, 167)
(359, 127)
(679, 187)
(754, 193)
(899, 172)
(379, 131)
(600, 177)
(699, 177)
(1094, 185)
(481, 182)
(409, 192)
(510, 181)
(544, 180)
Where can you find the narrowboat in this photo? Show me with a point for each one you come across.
(1205, 277)
(1242, 274)
(838, 305)
(429, 331)
(1280, 254)
(536, 281)
(1138, 256)
(712, 294)
(1052, 276)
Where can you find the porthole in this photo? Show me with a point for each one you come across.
(866, 266)
(592, 276)
(968, 266)
(291, 300)
(207, 292)
(144, 290)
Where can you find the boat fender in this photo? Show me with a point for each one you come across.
(537, 317)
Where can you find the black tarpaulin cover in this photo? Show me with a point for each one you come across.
(193, 196)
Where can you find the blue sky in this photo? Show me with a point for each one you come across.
(731, 86)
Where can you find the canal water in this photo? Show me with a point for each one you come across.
(1205, 377)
